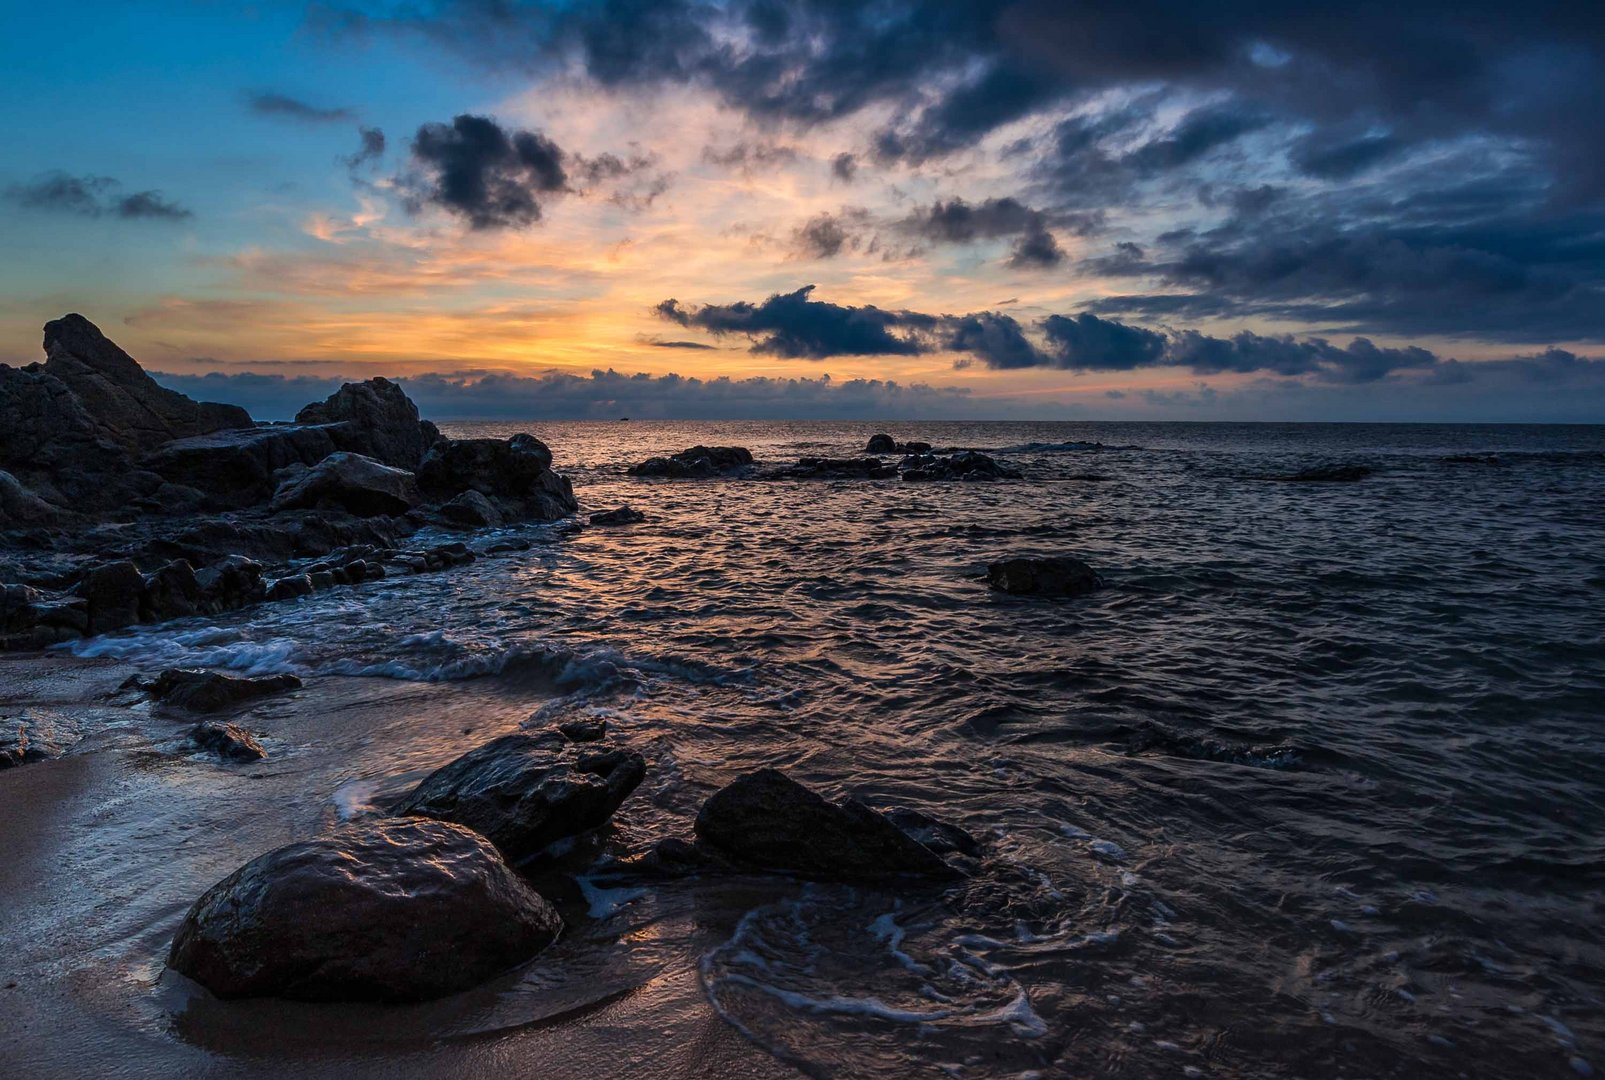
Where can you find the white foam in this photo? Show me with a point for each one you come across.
(207, 646)
(605, 902)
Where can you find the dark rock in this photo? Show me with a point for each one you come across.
(515, 476)
(226, 741)
(237, 468)
(672, 857)
(54, 450)
(230, 583)
(114, 591)
(526, 792)
(914, 447)
(770, 821)
(583, 730)
(351, 482)
(375, 419)
(624, 515)
(322, 579)
(288, 588)
(814, 468)
(940, 836)
(127, 405)
(472, 510)
(30, 620)
(1057, 575)
(697, 462)
(21, 507)
(881, 443)
(173, 592)
(210, 691)
(34, 735)
(964, 465)
(393, 910)
(1329, 474)
(174, 499)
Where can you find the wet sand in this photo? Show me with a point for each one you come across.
(108, 846)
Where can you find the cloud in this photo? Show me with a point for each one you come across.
(93, 196)
(794, 326)
(958, 222)
(288, 108)
(372, 148)
(844, 167)
(491, 177)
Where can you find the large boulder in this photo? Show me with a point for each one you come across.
(210, 691)
(353, 483)
(769, 821)
(236, 468)
(375, 419)
(54, 449)
(514, 475)
(127, 405)
(526, 792)
(471, 510)
(1057, 575)
(696, 463)
(114, 591)
(171, 592)
(392, 910)
(231, 582)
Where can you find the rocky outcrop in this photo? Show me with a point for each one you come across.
(769, 821)
(55, 450)
(885, 444)
(351, 482)
(21, 508)
(227, 741)
(699, 462)
(1053, 576)
(30, 620)
(34, 735)
(210, 691)
(816, 468)
(127, 406)
(394, 910)
(236, 468)
(624, 515)
(113, 592)
(375, 419)
(526, 792)
(515, 476)
(964, 465)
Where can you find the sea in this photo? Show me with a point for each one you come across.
(1313, 787)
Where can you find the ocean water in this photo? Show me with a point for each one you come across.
(1315, 787)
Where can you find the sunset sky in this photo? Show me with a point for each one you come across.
(1039, 210)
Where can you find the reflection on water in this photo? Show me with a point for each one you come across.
(1315, 788)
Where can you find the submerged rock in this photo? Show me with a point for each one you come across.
(526, 792)
(209, 691)
(885, 444)
(964, 465)
(696, 463)
(1328, 474)
(226, 741)
(624, 515)
(394, 910)
(1057, 575)
(814, 468)
(351, 482)
(767, 820)
(583, 730)
(34, 735)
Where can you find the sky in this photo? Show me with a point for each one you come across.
(893, 209)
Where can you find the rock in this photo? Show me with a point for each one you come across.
(473, 510)
(881, 444)
(322, 579)
(34, 735)
(128, 406)
(964, 465)
(1328, 474)
(770, 821)
(813, 468)
(1053, 576)
(237, 468)
(114, 591)
(392, 910)
(174, 499)
(209, 691)
(226, 741)
(30, 620)
(375, 419)
(583, 730)
(351, 482)
(940, 836)
(173, 592)
(525, 792)
(914, 447)
(20, 507)
(55, 452)
(230, 583)
(697, 462)
(515, 476)
(288, 588)
(624, 515)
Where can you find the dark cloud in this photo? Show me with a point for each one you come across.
(289, 108)
(821, 237)
(491, 177)
(750, 156)
(93, 196)
(680, 345)
(1341, 160)
(844, 167)
(372, 148)
(794, 326)
(958, 222)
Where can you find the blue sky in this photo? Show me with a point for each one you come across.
(1254, 211)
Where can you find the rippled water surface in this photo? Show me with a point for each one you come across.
(1315, 787)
